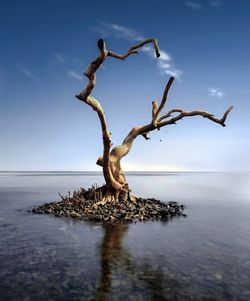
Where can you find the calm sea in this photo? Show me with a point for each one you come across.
(205, 256)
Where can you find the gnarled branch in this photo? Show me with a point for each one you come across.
(158, 122)
(183, 114)
(121, 56)
(109, 159)
(155, 43)
(96, 106)
(132, 50)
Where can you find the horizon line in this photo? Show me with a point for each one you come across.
(126, 171)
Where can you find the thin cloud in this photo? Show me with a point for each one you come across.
(60, 58)
(118, 31)
(26, 71)
(66, 60)
(75, 75)
(193, 5)
(215, 3)
(76, 62)
(165, 56)
(164, 62)
(130, 34)
(68, 63)
(196, 4)
(214, 92)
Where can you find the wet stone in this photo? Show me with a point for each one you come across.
(79, 206)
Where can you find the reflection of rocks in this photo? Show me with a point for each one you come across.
(80, 207)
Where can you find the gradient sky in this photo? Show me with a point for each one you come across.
(46, 46)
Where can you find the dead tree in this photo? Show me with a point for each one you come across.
(116, 184)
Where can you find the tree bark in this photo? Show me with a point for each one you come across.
(110, 161)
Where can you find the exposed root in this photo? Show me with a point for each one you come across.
(96, 204)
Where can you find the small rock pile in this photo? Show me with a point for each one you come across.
(80, 207)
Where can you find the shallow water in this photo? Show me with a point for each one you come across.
(205, 256)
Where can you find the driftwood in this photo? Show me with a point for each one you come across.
(110, 160)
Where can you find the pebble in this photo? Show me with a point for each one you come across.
(78, 206)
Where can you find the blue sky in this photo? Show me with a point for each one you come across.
(46, 46)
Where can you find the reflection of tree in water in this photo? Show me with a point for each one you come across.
(112, 253)
(121, 275)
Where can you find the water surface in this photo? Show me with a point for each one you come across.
(205, 256)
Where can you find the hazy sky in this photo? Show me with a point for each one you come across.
(46, 46)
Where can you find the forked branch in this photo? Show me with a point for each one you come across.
(183, 114)
(85, 96)
(158, 122)
(110, 161)
(164, 99)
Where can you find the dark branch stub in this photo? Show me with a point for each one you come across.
(145, 135)
(101, 45)
(111, 159)
(94, 203)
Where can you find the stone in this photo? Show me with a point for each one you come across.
(75, 214)
(76, 206)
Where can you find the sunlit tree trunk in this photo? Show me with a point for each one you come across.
(116, 185)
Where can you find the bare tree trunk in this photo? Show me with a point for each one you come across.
(114, 177)
(116, 184)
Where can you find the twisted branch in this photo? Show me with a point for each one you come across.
(110, 161)
(182, 114)
(96, 106)
(85, 96)
(158, 122)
